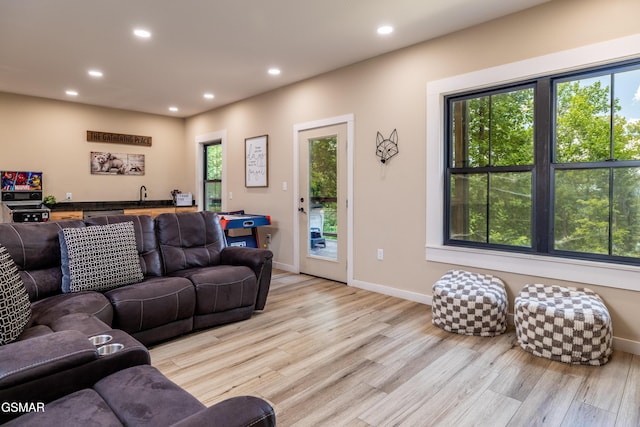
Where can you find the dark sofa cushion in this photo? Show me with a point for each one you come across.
(35, 248)
(15, 307)
(42, 283)
(189, 240)
(146, 242)
(142, 396)
(35, 331)
(88, 324)
(154, 302)
(99, 257)
(48, 310)
(221, 288)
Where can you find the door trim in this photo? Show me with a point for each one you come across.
(297, 128)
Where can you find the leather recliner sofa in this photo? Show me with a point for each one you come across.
(191, 280)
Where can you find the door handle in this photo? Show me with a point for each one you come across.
(301, 209)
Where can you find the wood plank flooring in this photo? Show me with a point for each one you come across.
(325, 354)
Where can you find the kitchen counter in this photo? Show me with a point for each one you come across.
(81, 210)
(107, 206)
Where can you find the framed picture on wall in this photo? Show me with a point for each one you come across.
(256, 161)
(103, 163)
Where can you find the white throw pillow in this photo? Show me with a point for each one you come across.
(15, 307)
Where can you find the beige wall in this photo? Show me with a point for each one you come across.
(47, 135)
(389, 92)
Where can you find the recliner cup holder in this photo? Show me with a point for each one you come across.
(109, 349)
(100, 339)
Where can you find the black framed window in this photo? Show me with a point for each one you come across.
(549, 166)
(213, 176)
(490, 167)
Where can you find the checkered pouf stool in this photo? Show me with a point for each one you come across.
(470, 304)
(570, 325)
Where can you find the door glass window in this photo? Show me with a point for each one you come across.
(323, 197)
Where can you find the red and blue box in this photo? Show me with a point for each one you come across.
(242, 229)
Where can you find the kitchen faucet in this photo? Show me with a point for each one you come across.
(142, 187)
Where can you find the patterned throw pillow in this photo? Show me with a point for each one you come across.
(15, 307)
(99, 257)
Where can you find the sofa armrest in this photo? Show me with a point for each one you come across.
(241, 411)
(41, 356)
(259, 260)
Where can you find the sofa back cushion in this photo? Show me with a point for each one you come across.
(35, 248)
(146, 242)
(189, 240)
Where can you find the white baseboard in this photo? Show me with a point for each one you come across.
(284, 267)
(626, 345)
(394, 292)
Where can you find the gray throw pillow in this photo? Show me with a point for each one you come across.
(99, 257)
(15, 307)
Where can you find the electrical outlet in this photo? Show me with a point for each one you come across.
(69, 196)
(267, 239)
(380, 254)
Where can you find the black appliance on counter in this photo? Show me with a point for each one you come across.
(22, 197)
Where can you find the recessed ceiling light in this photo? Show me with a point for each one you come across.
(209, 95)
(173, 109)
(71, 92)
(385, 29)
(274, 71)
(95, 73)
(143, 34)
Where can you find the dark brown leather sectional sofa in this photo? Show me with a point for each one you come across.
(192, 280)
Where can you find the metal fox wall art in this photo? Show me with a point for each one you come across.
(386, 148)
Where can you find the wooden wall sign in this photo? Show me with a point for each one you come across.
(118, 138)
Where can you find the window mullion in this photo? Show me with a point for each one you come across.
(543, 156)
(611, 219)
(612, 152)
(488, 206)
(490, 164)
(612, 156)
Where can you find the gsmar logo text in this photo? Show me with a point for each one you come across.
(22, 407)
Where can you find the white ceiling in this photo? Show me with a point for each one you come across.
(220, 46)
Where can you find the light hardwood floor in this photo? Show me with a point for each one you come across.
(325, 354)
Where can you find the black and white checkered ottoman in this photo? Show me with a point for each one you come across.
(470, 304)
(570, 325)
